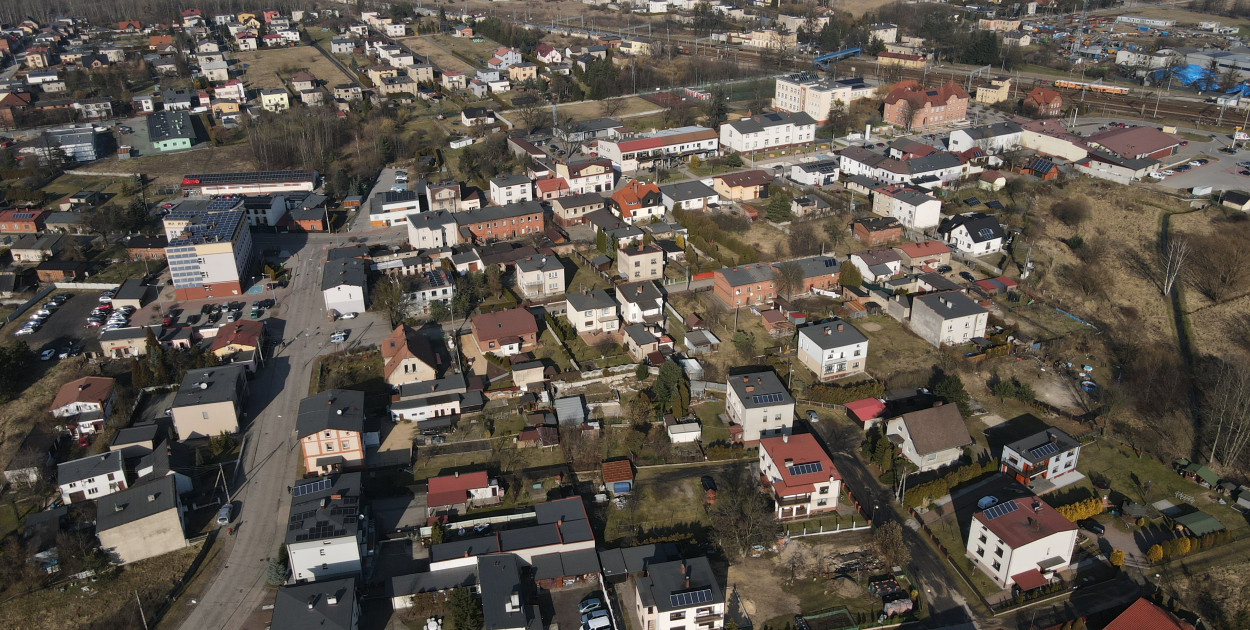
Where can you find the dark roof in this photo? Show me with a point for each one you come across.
(981, 227)
(499, 577)
(131, 289)
(88, 467)
(685, 191)
(596, 299)
(949, 305)
(636, 292)
(464, 546)
(1236, 196)
(428, 581)
(498, 213)
(345, 271)
(551, 566)
(138, 241)
(635, 559)
(210, 385)
(664, 584)
(337, 409)
(833, 334)
(317, 515)
(169, 125)
(135, 503)
(762, 386)
(640, 334)
(936, 429)
(144, 434)
(302, 606)
(747, 274)
(583, 199)
(1035, 448)
(993, 130)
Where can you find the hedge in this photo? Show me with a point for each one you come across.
(840, 395)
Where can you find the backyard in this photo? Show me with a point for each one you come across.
(269, 69)
(659, 501)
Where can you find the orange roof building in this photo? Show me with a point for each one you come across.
(618, 476)
(912, 106)
(1143, 614)
(637, 202)
(1047, 102)
(800, 474)
(408, 357)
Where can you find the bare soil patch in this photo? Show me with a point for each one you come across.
(439, 56)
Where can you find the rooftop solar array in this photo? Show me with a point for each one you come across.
(435, 279)
(690, 598)
(309, 488)
(766, 398)
(215, 227)
(251, 177)
(1001, 509)
(222, 203)
(987, 234)
(805, 469)
(1049, 448)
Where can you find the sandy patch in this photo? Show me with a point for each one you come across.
(871, 327)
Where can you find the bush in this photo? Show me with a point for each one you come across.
(731, 222)
(1085, 508)
(709, 237)
(840, 395)
(1071, 211)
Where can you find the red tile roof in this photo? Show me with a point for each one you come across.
(453, 489)
(1026, 525)
(1131, 142)
(402, 343)
(514, 322)
(551, 185)
(244, 332)
(630, 197)
(798, 449)
(96, 389)
(865, 409)
(1143, 614)
(919, 96)
(618, 470)
(1044, 96)
(641, 144)
(746, 178)
(924, 248)
(1029, 580)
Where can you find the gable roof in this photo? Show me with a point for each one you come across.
(88, 389)
(746, 178)
(1032, 520)
(404, 343)
(454, 488)
(88, 467)
(136, 503)
(949, 304)
(632, 195)
(328, 510)
(301, 606)
(333, 409)
(1043, 96)
(920, 97)
(243, 332)
(832, 334)
(591, 300)
(801, 448)
(1143, 614)
(617, 470)
(936, 429)
(513, 322)
(747, 274)
(981, 227)
(639, 292)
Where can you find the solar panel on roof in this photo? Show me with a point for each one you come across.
(435, 279)
(994, 205)
(690, 598)
(766, 398)
(805, 469)
(1048, 448)
(972, 201)
(1001, 509)
(986, 234)
(309, 488)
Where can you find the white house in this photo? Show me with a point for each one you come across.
(504, 58)
(833, 349)
(392, 207)
(395, 30)
(947, 318)
(1021, 542)
(540, 276)
(914, 209)
(641, 302)
(91, 477)
(692, 195)
(547, 54)
(930, 438)
(974, 233)
(1041, 457)
(511, 188)
(800, 475)
(88, 400)
(877, 264)
(993, 139)
(765, 132)
(344, 286)
(432, 230)
(677, 595)
(818, 173)
(760, 404)
(325, 531)
(642, 262)
(592, 312)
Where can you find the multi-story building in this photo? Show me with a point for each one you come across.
(1021, 542)
(511, 188)
(587, 176)
(637, 202)
(453, 494)
(80, 143)
(572, 209)
(170, 131)
(930, 438)
(820, 273)
(593, 312)
(767, 132)
(745, 285)
(642, 262)
(760, 404)
(209, 401)
(804, 92)
(632, 153)
(141, 522)
(911, 106)
(427, 288)
(833, 349)
(91, 477)
(344, 285)
(211, 255)
(1040, 458)
(904, 60)
(692, 195)
(641, 302)
(408, 357)
(392, 207)
(275, 100)
(996, 90)
(540, 276)
(85, 402)
(743, 185)
(432, 230)
(913, 208)
(950, 318)
(505, 333)
(1045, 102)
(498, 223)
(973, 233)
(993, 138)
(800, 475)
(325, 532)
(330, 429)
(770, 39)
(678, 595)
(328, 604)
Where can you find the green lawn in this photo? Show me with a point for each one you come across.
(549, 348)
(354, 370)
(713, 429)
(948, 533)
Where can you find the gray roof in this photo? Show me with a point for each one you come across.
(596, 299)
(135, 503)
(451, 384)
(461, 547)
(747, 274)
(571, 410)
(210, 385)
(510, 179)
(640, 334)
(759, 123)
(429, 581)
(815, 266)
(819, 166)
(685, 191)
(302, 606)
(345, 271)
(499, 577)
(666, 579)
(933, 162)
(994, 130)
(939, 282)
(169, 125)
(762, 384)
(936, 429)
(312, 519)
(139, 434)
(36, 241)
(539, 263)
(570, 563)
(1030, 447)
(498, 213)
(635, 559)
(88, 467)
(636, 292)
(391, 197)
(981, 227)
(337, 409)
(433, 219)
(697, 338)
(950, 305)
(833, 334)
(577, 201)
(131, 289)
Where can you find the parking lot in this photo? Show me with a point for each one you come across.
(564, 605)
(64, 327)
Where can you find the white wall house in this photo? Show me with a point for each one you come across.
(974, 233)
(1043, 456)
(760, 404)
(993, 139)
(948, 318)
(641, 302)
(91, 477)
(1021, 541)
(800, 474)
(592, 312)
(505, 189)
(765, 132)
(679, 595)
(914, 209)
(343, 286)
(833, 349)
(930, 438)
(324, 534)
(432, 230)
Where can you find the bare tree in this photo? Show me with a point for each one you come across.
(532, 116)
(1226, 410)
(610, 107)
(1173, 259)
(789, 278)
(1219, 264)
(888, 542)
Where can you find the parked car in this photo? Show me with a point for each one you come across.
(589, 603)
(945, 269)
(812, 416)
(348, 316)
(597, 613)
(987, 502)
(338, 337)
(223, 515)
(47, 354)
(1092, 526)
(966, 276)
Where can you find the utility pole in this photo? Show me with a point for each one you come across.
(221, 474)
(142, 617)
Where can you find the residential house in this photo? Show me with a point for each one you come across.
(523, 72)
(877, 230)
(948, 318)
(768, 132)
(454, 494)
(342, 45)
(506, 332)
(344, 286)
(547, 54)
(325, 532)
(911, 106)
(914, 209)
(641, 262)
(877, 264)
(760, 404)
(392, 207)
(745, 285)
(551, 188)
(587, 130)
(274, 100)
(455, 80)
(972, 233)
(994, 138)
(1045, 102)
(572, 209)
(540, 277)
(1040, 458)
(820, 273)
(592, 312)
(511, 188)
(504, 58)
(930, 438)
(141, 522)
(23, 221)
(435, 405)
(818, 173)
(808, 206)
(408, 357)
(641, 302)
(618, 476)
(329, 604)
(1146, 614)
(1017, 39)
(640, 342)
(87, 402)
(171, 130)
(833, 349)
(303, 80)
(631, 154)
(800, 475)
(924, 256)
(996, 90)
(742, 186)
(1021, 542)
(587, 176)
(1136, 142)
(209, 402)
(677, 594)
(91, 477)
(497, 223)
(991, 180)
(330, 429)
(637, 202)
(691, 195)
(240, 342)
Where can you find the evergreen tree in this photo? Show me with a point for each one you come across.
(849, 276)
(950, 389)
(601, 241)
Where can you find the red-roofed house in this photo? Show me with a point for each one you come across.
(618, 476)
(800, 475)
(1134, 143)
(408, 357)
(239, 342)
(548, 54)
(994, 286)
(160, 42)
(866, 410)
(930, 254)
(454, 494)
(1048, 103)
(88, 401)
(1021, 542)
(10, 104)
(637, 202)
(991, 180)
(505, 333)
(552, 188)
(1143, 614)
(23, 221)
(912, 106)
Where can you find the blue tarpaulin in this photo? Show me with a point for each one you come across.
(1190, 74)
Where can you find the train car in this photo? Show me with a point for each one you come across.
(1092, 87)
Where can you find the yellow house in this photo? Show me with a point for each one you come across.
(636, 47)
(377, 73)
(330, 427)
(421, 72)
(996, 91)
(274, 100)
(523, 72)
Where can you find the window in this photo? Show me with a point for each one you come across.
(981, 551)
(323, 551)
(677, 615)
(328, 433)
(205, 414)
(997, 565)
(999, 552)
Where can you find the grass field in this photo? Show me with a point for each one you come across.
(633, 107)
(439, 49)
(892, 348)
(265, 66)
(166, 171)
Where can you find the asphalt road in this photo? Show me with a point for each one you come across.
(270, 451)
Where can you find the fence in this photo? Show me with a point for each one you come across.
(821, 530)
(29, 303)
(86, 286)
(821, 404)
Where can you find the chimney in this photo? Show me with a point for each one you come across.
(746, 379)
(683, 568)
(839, 327)
(338, 412)
(312, 601)
(82, 387)
(151, 498)
(332, 600)
(759, 381)
(119, 507)
(788, 462)
(785, 439)
(457, 474)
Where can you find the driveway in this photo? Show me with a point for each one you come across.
(394, 515)
(560, 605)
(385, 180)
